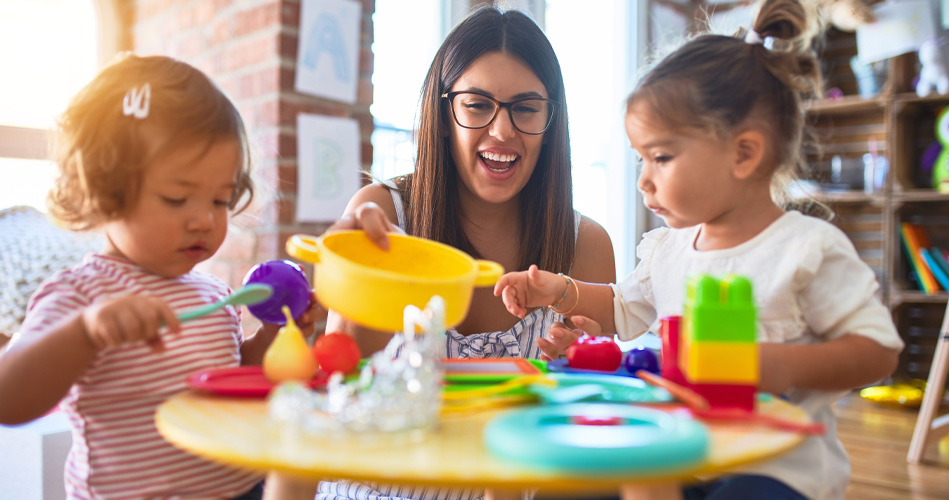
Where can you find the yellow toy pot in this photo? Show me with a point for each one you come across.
(371, 286)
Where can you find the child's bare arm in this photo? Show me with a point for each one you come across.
(36, 372)
(844, 363)
(536, 288)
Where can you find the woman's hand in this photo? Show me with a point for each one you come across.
(126, 320)
(531, 288)
(560, 336)
(370, 218)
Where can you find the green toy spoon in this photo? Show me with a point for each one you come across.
(248, 295)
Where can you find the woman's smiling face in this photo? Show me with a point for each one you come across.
(495, 162)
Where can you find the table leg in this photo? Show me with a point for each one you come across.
(932, 397)
(282, 487)
(671, 491)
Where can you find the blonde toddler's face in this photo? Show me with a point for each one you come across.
(181, 214)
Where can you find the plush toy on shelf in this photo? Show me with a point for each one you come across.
(933, 74)
(940, 175)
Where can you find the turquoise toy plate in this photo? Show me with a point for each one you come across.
(597, 437)
(576, 387)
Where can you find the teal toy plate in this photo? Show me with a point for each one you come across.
(576, 387)
(596, 437)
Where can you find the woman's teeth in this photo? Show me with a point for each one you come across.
(498, 162)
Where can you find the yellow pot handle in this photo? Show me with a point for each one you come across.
(489, 272)
(304, 247)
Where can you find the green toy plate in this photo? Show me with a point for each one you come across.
(487, 370)
(597, 438)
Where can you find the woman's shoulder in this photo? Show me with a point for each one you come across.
(594, 260)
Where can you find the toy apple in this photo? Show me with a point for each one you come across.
(641, 358)
(288, 357)
(336, 351)
(594, 353)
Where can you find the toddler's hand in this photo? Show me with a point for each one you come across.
(305, 321)
(313, 314)
(125, 320)
(370, 218)
(561, 336)
(531, 288)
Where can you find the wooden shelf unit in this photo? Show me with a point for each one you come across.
(902, 127)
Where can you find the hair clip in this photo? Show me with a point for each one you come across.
(137, 101)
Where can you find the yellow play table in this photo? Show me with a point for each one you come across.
(238, 432)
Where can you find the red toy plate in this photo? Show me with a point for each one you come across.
(241, 381)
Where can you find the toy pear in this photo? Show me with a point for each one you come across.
(288, 357)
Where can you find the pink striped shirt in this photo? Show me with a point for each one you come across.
(117, 453)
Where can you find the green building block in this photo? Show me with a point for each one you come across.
(719, 310)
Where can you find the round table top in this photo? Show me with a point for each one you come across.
(238, 432)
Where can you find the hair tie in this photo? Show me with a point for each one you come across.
(753, 38)
(137, 102)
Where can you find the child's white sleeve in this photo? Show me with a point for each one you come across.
(632, 315)
(633, 307)
(837, 293)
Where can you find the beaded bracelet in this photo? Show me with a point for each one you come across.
(556, 306)
(566, 286)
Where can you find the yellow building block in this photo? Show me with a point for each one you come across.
(721, 362)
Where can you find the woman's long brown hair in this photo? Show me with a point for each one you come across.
(546, 202)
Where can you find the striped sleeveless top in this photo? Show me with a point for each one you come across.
(518, 342)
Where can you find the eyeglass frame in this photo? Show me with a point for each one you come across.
(497, 110)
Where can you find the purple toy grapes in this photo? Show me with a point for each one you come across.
(290, 288)
(641, 358)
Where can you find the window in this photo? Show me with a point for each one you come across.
(405, 39)
(598, 45)
(57, 53)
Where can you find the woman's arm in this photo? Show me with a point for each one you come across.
(376, 220)
(841, 364)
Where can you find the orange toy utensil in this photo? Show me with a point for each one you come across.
(692, 399)
(700, 408)
(815, 428)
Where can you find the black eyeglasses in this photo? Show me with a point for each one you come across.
(531, 115)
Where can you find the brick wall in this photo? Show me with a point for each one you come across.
(249, 47)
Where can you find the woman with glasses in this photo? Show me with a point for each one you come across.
(492, 178)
